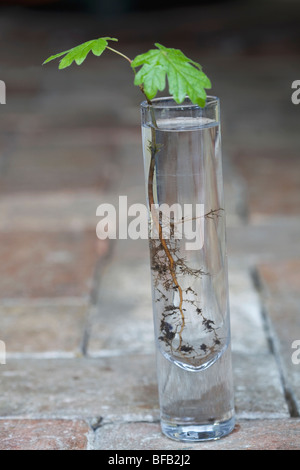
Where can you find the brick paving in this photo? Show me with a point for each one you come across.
(75, 312)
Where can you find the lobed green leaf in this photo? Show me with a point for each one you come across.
(79, 53)
(185, 76)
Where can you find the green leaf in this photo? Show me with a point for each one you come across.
(153, 79)
(79, 53)
(185, 76)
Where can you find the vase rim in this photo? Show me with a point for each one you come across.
(160, 103)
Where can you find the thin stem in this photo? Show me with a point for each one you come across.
(119, 53)
(160, 233)
(134, 71)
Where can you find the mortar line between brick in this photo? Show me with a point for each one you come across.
(101, 265)
(102, 423)
(274, 347)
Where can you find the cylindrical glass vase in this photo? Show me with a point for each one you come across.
(184, 187)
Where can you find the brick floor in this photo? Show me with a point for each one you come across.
(280, 293)
(44, 327)
(276, 170)
(114, 387)
(75, 312)
(33, 434)
(48, 264)
(247, 435)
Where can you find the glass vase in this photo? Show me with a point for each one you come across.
(184, 189)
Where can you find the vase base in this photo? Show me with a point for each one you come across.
(198, 432)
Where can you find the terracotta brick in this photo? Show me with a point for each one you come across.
(55, 167)
(280, 289)
(247, 328)
(122, 387)
(49, 328)
(124, 292)
(50, 211)
(258, 389)
(26, 434)
(44, 264)
(281, 276)
(272, 179)
(247, 435)
(253, 244)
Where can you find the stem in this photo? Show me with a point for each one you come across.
(134, 71)
(119, 53)
(160, 231)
